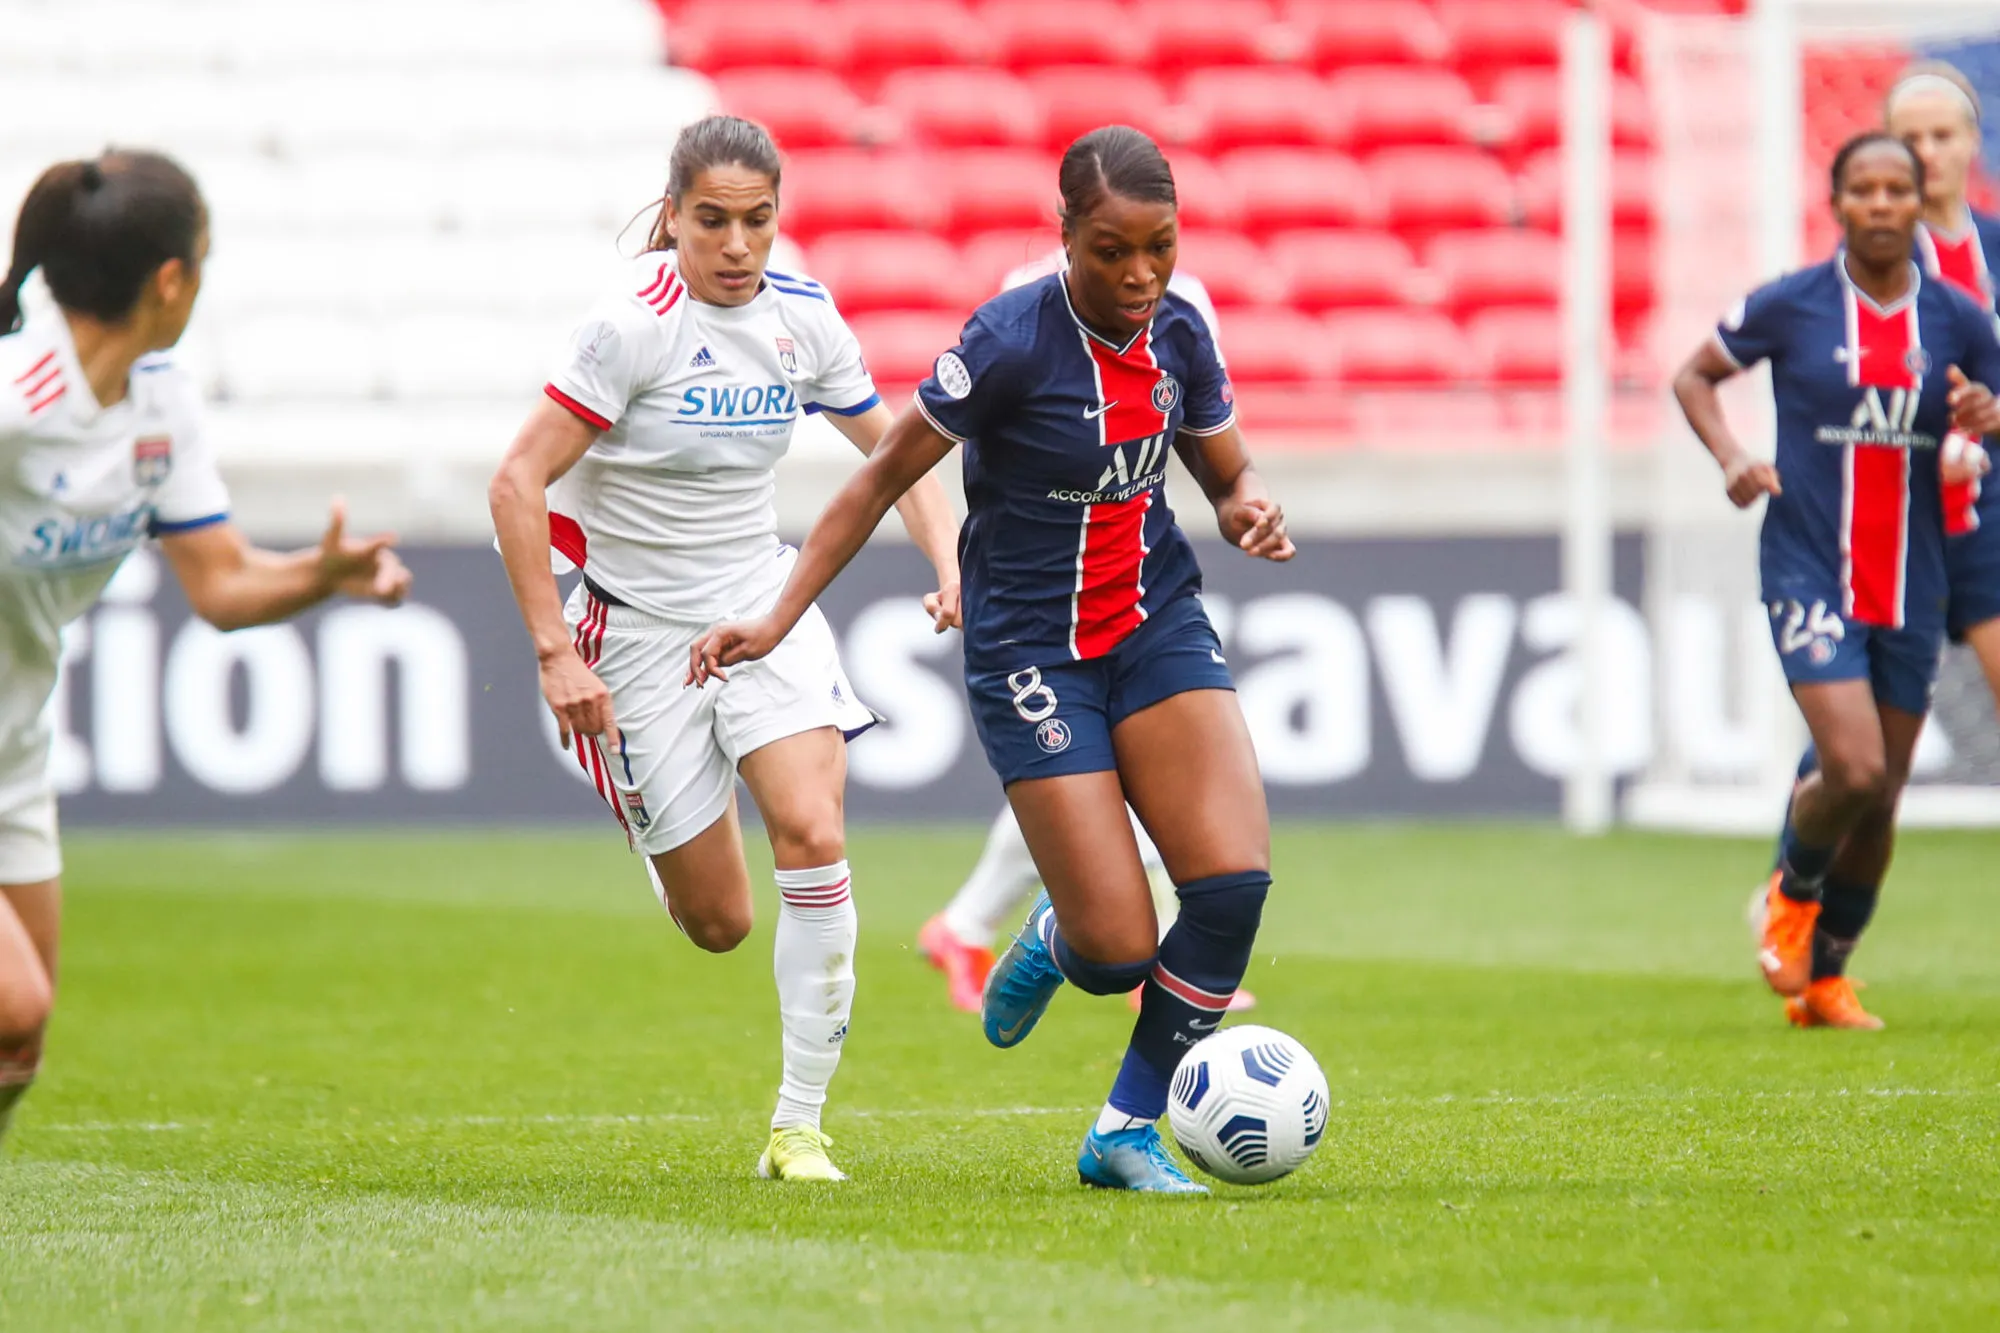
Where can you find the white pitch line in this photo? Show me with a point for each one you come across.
(1010, 1112)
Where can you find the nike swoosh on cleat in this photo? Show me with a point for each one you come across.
(1093, 413)
(1770, 960)
(1012, 1033)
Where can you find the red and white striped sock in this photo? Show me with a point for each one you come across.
(814, 966)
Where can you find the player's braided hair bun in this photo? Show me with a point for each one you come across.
(99, 229)
(1114, 159)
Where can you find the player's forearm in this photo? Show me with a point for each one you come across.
(521, 521)
(927, 513)
(1701, 404)
(841, 530)
(263, 588)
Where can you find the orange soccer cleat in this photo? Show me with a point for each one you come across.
(1784, 941)
(1830, 1002)
(964, 965)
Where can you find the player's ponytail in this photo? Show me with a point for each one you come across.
(1114, 159)
(715, 141)
(99, 230)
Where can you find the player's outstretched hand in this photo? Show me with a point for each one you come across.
(576, 696)
(943, 609)
(726, 645)
(1973, 409)
(363, 567)
(1748, 478)
(1257, 526)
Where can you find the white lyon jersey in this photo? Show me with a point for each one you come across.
(671, 510)
(81, 486)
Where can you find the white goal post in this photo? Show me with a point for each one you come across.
(1737, 102)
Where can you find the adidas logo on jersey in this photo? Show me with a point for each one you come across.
(703, 360)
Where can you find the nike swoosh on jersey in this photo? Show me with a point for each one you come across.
(1093, 413)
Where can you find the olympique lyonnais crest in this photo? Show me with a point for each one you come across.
(152, 459)
(788, 356)
(635, 811)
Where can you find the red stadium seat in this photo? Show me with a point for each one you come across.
(1329, 269)
(1498, 267)
(895, 34)
(1076, 99)
(1196, 34)
(1488, 36)
(1206, 199)
(901, 348)
(1389, 105)
(1231, 266)
(851, 190)
(1540, 187)
(1032, 34)
(989, 257)
(803, 108)
(713, 36)
(1257, 106)
(1396, 347)
(1370, 32)
(884, 270)
(1273, 345)
(989, 188)
(1428, 190)
(1296, 187)
(1532, 99)
(1631, 276)
(964, 107)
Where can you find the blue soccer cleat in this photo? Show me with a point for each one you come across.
(1021, 984)
(1132, 1159)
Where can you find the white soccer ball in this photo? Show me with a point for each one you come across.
(1248, 1105)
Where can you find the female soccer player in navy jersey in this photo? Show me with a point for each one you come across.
(1094, 675)
(1872, 366)
(1935, 110)
(101, 450)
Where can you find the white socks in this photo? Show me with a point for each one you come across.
(997, 888)
(814, 965)
(1110, 1120)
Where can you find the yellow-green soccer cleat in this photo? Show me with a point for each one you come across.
(798, 1152)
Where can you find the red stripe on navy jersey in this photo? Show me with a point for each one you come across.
(1886, 353)
(566, 535)
(577, 409)
(1126, 379)
(1962, 263)
(1110, 576)
(32, 371)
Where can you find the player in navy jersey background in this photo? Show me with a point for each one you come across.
(1935, 110)
(1095, 678)
(1871, 367)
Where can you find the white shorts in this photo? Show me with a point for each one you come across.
(29, 849)
(673, 767)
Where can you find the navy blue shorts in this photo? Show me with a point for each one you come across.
(1972, 572)
(1047, 719)
(1816, 646)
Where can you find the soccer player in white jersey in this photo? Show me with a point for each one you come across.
(101, 449)
(959, 940)
(650, 465)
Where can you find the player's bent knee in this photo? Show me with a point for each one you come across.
(1859, 780)
(25, 1003)
(716, 932)
(1094, 978)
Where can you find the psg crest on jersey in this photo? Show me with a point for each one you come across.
(152, 459)
(788, 356)
(1166, 393)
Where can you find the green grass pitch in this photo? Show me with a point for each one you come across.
(478, 1081)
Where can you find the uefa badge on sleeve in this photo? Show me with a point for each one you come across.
(152, 459)
(788, 356)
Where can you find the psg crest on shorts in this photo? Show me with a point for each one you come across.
(152, 459)
(1166, 393)
(788, 356)
(1053, 735)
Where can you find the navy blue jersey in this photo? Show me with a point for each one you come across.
(1860, 392)
(1068, 544)
(1968, 262)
